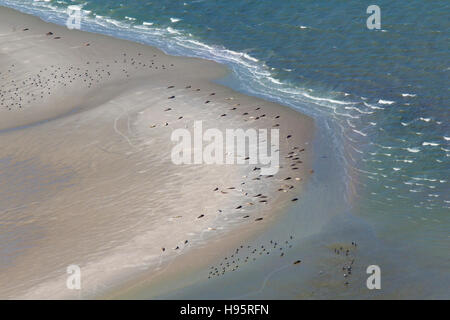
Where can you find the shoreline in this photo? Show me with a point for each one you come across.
(187, 269)
(106, 148)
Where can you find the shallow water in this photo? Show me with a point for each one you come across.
(380, 100)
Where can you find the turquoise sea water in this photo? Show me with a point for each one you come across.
(379, 97)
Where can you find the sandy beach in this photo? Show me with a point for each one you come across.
(86, 175)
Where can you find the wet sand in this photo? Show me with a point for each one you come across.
(86, 175)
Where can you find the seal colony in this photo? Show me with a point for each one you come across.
(85, 125)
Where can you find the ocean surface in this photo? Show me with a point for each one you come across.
(380, 98)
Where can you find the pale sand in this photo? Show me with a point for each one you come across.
(86, 180)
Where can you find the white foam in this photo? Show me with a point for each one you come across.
(249, 57)
(174, 20)
(423, 179)
(430, 144)
(385, 101)
(357, 150)
(372, 107)
(403, 160)
(413, 150)
(359, 132)
(117, 23)
(328, 100)
(74, 7)
(358, 110)
(141, 27)
(274, 80)
(173, 31)
(408, 95)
